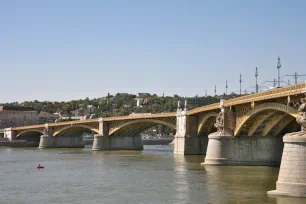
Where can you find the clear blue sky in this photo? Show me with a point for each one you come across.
(64, 50)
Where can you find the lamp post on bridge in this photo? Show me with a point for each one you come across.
(278, 68)
(256, 76)
(240, 81)
(215, 90)
(274, 82)
(226, 86)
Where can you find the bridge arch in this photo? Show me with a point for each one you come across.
(269, 106)
(75, 128)
(142, 125)
(204, 120)
(19, 134)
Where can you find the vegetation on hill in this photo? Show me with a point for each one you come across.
(119, 104)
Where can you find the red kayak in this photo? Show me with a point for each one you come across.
(40, 167)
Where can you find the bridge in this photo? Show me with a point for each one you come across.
(270, 113)
(247, 130)
(122, 132)
(265, 113)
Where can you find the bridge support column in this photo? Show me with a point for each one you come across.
(100, 143)
(46, 141)
(219, 150)
(119, 142)
(188, 146)
(101, 140)
(292, 175)
(221, 143)
(186, 140)
(9, 134)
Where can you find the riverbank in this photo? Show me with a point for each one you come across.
(157, 141)
(18, 143)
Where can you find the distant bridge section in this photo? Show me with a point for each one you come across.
(115, 124)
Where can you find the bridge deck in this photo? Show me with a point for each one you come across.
(130, 117)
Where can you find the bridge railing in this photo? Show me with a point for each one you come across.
(136, 116)
(273, 93)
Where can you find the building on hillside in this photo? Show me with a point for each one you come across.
(91, 108)
(17, 116)
(79, 112)
(122, 94)
(141, 95)
(139, 101)
(45, 117)
(194, 102)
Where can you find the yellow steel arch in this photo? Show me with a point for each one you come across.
(112, 131)
(56, 132)
(29, 130)
(203, 121)
(283, 123)
(258, 121)
(263, 107)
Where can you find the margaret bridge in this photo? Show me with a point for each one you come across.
(247, 130)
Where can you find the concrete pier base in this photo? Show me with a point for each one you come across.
(190, 145)
(244, 150)
(117, 143)
(219, 150)
(100, 143)
(45, 142)
(292, 174)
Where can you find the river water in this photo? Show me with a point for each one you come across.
(153, 176)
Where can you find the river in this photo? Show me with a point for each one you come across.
(152, 176)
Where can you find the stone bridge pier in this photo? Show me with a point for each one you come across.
(187, 141)
(44, 139)
(292, 175)
(48, 140)
(9, 134)
(103, 141)
(221, 144)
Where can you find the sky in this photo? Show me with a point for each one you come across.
(65, 50)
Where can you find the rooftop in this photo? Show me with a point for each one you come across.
(15, 108)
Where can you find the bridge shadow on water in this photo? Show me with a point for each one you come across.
(158, 148)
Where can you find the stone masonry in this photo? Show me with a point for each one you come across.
(292, 174)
